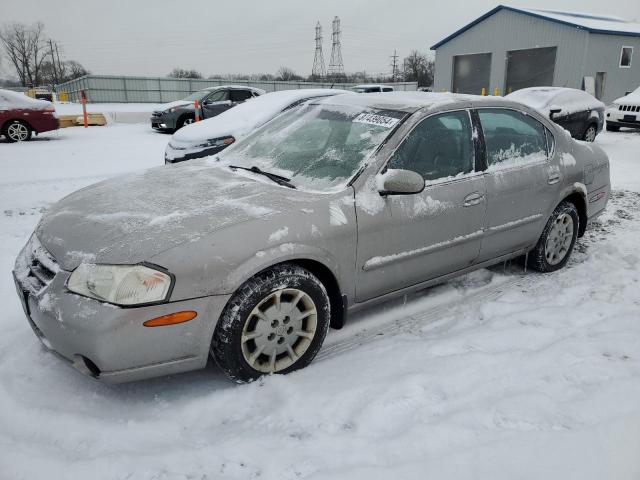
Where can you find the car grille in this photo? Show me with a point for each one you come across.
(629, 108)
(41, 267)
(156, 114)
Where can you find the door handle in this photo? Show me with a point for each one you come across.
(553, 178)
(473, 199)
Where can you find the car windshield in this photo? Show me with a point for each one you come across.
(318, 147)
(199, 95)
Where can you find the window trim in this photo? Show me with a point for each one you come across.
(226, 91)
(443, 180)
(630, 56)
(546, 142)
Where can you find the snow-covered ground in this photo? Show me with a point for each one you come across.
(499, 374)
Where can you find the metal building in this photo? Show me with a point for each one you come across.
(510, 48)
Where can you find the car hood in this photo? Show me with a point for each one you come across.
(129, 219)
(177, 103)
(632, 99)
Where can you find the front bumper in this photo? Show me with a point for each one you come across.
(617, 118)
(110, 343)
(164, 121)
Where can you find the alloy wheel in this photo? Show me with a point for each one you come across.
(559, 239)
(279, 330)
(18, 132)
(590, 134)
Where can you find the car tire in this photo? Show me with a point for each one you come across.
(558, 238)
(590, 133)
(17, 131)
(276, 322)
(612, 128)
(186, 120)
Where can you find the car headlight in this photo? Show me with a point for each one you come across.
(217, 142)
(120, 284)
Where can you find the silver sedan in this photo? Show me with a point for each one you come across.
(251, 256)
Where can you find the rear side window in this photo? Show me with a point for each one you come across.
(440, 146)
(240, 95)
(512, 137)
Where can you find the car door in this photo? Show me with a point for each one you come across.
(522, 180)
(404, 240)
(215, 103)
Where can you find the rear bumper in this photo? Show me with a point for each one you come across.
(110, 343)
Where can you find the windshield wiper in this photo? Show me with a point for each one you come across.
(279, 179)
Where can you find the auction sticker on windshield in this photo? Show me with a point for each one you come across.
(374, 119)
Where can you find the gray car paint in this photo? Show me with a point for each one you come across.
(214, 228)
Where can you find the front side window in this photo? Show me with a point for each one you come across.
(218, 96)
(319, 147)
(440, 146)
(626, 56)
(512, 137)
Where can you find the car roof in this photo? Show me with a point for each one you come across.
(412, 101)
(235, 87)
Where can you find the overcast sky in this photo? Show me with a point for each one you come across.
(143, 37)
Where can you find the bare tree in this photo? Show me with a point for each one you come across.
(286, 74)
(25, 49)
(183, 73)
(419, 68)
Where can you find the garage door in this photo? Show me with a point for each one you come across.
(471, 73)
(533, 67)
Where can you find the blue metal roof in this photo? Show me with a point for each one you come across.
(607, 25)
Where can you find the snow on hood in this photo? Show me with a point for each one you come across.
(632, 99)
(244, 118)
(544, 99)
(176, 103)
(128, 219)
(14, 100)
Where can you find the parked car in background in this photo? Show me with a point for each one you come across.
(215, 134)
(213, 101)
(21, 116)
(333, 206)
(624, 112)
(372, 88)
(575, 110)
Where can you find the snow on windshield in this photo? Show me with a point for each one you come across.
(319, 146)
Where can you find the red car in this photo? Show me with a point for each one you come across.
(20, 116)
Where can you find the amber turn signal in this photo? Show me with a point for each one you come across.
(171, 319)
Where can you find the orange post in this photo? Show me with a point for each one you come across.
(83, 99)
(195, 104)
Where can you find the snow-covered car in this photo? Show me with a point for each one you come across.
(212, 101)
(372, 88)
(624, 112)
(213, 135)
(575, 110)
(333, 206)
(21, 116)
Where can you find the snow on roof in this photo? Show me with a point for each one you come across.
(605, 24)
(244, 87)
(10, 99)
(240, 120)
(543, 99)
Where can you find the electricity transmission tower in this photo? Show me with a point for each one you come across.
(336, 67)
(318, 60)
(394, 66)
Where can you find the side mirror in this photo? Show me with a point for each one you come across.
(554, 111)
(399, 182)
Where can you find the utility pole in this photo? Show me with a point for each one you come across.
(394, 66)
(59, 65)
(318, 71)
(53, 61)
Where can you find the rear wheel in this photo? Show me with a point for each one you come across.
(558, 238)
(612, 128)
(17, 131)
(275, 323)
(590, 133)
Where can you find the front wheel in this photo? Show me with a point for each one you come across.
(17, 131)
(558, 238)
(275, 323)
(590, 134)
(185, 121)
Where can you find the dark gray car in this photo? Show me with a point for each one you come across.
(212, 101)
(332, 206)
